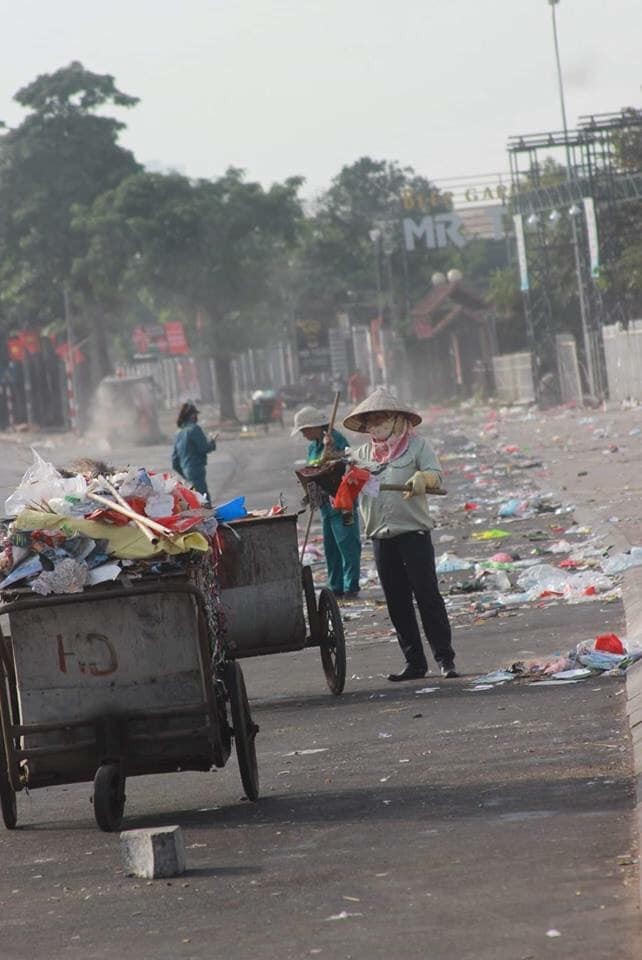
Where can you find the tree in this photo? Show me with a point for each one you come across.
(505, 296)
(622, 279)
(61, 155)
(340, 254)
(206, 246)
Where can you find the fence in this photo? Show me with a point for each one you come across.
(194, 378)
(623, 355)
(513, 375)
(264, 368)
(178, 378)
(568, 369)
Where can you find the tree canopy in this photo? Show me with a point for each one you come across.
(61, 154)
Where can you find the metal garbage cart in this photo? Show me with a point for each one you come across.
(113, 682)
(261, 580)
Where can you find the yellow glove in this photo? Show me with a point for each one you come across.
(432, 479)
(421, 481)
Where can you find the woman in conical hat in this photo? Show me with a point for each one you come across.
(399, 527)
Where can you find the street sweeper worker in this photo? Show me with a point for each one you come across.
(399, 526)
(191, 447)
(341, 541)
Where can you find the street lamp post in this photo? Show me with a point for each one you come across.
(375, 237)
(588, 351)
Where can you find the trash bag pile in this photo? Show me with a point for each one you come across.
(72, 530)
(607, 654)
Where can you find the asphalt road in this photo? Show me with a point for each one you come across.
(393, 822)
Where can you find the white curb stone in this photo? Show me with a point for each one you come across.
(154, 853)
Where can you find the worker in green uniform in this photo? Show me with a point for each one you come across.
(191, 447)
(341, 540)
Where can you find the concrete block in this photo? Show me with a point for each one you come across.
(153, 853)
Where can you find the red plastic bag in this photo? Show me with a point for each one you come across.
(185, 499)
(610, 643)
(352, 483)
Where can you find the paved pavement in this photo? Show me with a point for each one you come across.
(454, 824)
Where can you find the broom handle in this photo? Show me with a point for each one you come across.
(151, 536)
(333, 417)
(404, 488)
(131, 515)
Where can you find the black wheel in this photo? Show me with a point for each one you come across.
(109, 796)
(332, 642)
(310, 603)
(244, 729)
(7, 794)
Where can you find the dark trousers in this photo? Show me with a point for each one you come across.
(406, 567)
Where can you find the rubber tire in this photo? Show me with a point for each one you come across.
(244, 730)
(311, 604)
(109, 797)
(7, 794)
(332, 641)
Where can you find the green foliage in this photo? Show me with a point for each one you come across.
(339, 266)
(61, 154)
(208, 245)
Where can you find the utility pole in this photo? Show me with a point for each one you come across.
(70, 368)
(588, 350)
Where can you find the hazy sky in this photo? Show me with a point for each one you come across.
(284, 87)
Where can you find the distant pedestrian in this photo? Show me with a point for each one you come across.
(357, 386)
(341, 540)
(399, 527)
(191, 447)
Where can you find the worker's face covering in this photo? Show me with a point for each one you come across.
(390, 438)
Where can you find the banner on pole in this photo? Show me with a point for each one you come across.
(591, 231)
(518, 220)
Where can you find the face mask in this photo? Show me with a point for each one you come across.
(383, 430)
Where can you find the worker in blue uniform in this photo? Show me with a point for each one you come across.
(341, 540)
(191, 447)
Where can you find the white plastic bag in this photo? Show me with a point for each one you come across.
(451, 563)
(42, 482)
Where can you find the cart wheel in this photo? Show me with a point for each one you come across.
(332, 642)
(245, 730)
(109, 797)
(310, 603)
(7, 794)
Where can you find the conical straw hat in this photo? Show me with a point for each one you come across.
(380, 401)
(309, 417)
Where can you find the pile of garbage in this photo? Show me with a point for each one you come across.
(607, 654)
(70, 530)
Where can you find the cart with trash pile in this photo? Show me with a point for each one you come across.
(261, 580)
(116, 681)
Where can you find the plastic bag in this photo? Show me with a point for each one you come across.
(136, 483)
(351, 484)
(543, 578)
(42, 482)
(159, 505)
(623, 561)
(449, 563)
(68, 576)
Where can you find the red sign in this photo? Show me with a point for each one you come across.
(62, 350)
(176, 339)
(26, 341)
(31, 341)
